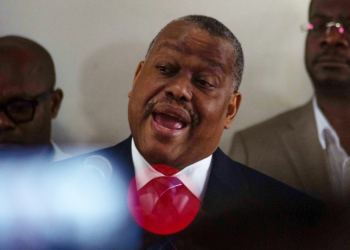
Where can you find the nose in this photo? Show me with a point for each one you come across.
(335, 38)
(5, 122)
(179, 88)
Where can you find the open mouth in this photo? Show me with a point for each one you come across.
(168, 121)
(170, 118)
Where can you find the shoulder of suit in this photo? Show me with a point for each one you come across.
(277, 123)
(122, 149)
(260, 184)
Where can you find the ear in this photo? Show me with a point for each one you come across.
(56, 99)
(137, 74)
(235, 102)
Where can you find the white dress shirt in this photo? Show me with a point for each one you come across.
(338, 158)
(194, 177)
(58, 154)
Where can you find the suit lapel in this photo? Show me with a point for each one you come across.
(122, 158)
(226, 185)
(306, 154)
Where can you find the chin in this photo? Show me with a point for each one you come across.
(161, 155)
(332, 87)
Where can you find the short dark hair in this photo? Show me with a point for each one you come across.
(44, 58)
(215, 28)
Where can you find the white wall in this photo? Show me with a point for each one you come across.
(97, 44)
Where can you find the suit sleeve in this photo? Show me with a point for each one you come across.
(238, 151)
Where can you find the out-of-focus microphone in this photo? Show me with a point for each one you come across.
(97, 165)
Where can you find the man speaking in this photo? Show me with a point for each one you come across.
(183, 96)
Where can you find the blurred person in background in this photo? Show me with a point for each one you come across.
(308, 148)
(28, 100)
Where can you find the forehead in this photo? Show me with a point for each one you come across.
(330, 8)
(17, 55)
(189, 40)
(18, 71)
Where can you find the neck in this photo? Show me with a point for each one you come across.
(334, 105)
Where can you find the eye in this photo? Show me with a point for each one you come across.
(162, 69)
(204, 83)
(20, 107)
(165, 69)
(318, 26)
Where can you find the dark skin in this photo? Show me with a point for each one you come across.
(24, 74)
(192, 73)
(327, 58)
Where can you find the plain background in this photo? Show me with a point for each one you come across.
(97, 45)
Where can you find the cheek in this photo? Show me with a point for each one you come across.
(133, 112)
(42, 117)
(36, 131)
(212, 111)
(212, 114)
(311, 49)
(146, 89)
(43, 112)
(43, 120)
(142, 93)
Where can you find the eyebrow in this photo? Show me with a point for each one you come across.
(324, 16)
(319, 16)
(7, 100)
(170, 46)
(19, 97)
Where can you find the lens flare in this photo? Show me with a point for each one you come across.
(164, 205)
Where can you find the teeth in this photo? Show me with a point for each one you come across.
(164, 127)
(168, 122)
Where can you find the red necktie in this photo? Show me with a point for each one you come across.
(166, 205)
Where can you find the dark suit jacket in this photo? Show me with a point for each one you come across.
(241, 208)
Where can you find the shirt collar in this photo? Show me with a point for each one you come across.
(58, 154)
(322, 124)
(194, 177)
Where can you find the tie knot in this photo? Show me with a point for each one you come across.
(164, 169)
(329, 138)
(165, 205)
(162, 185)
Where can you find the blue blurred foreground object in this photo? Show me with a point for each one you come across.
(76, 206)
